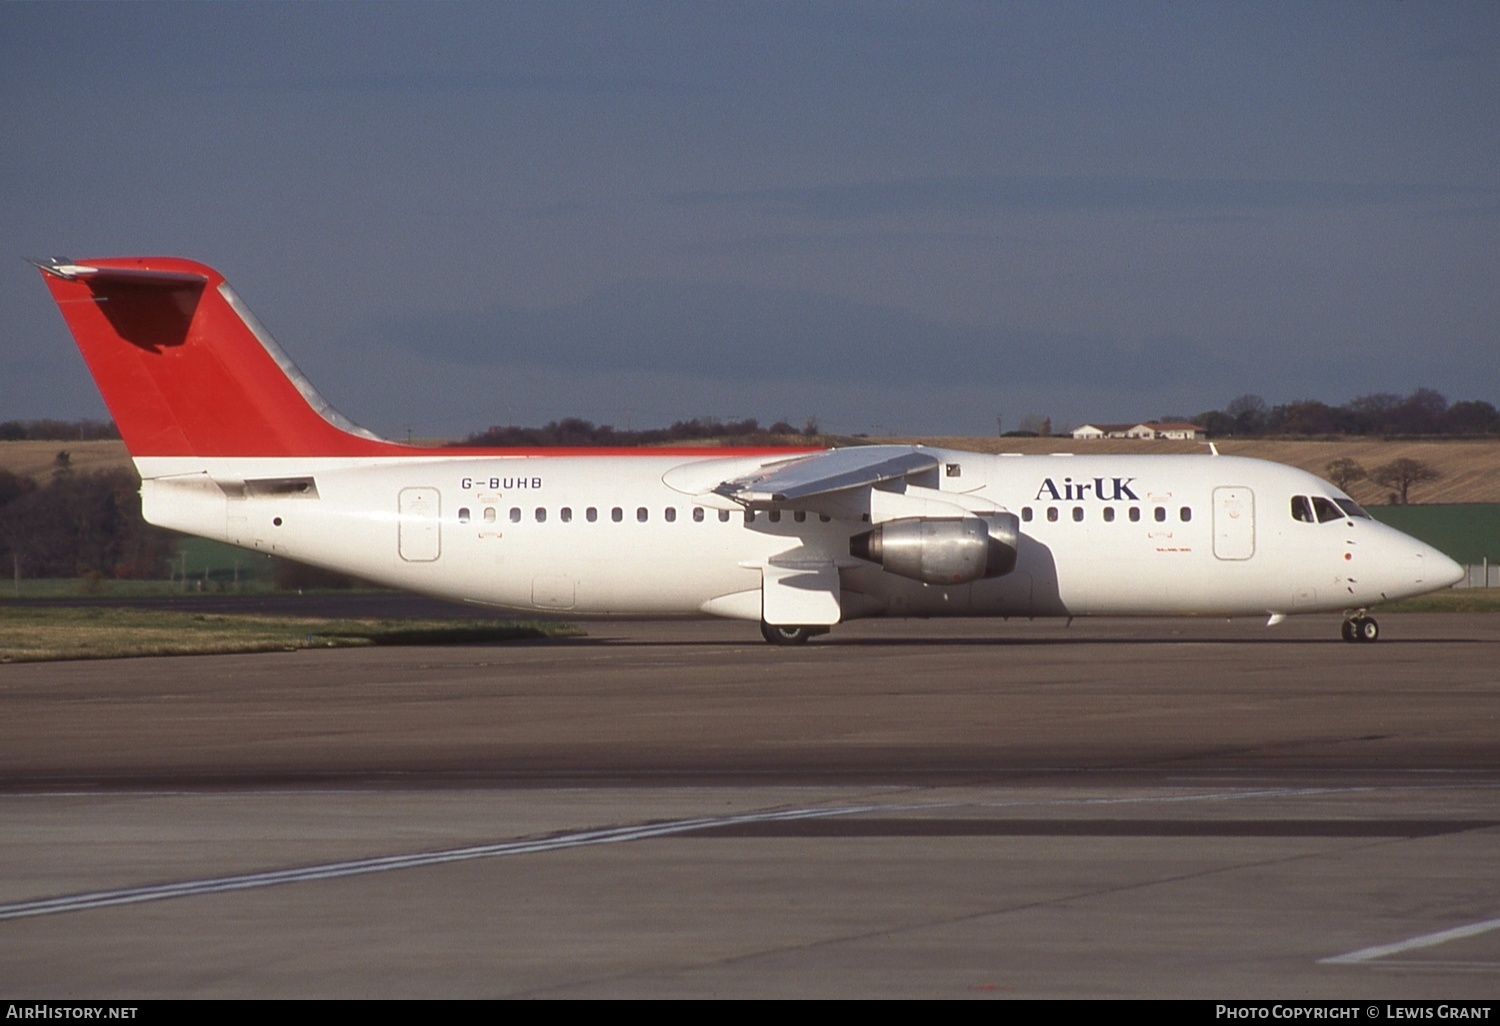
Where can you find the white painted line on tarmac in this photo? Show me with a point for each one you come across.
(1426, 940)
(358, 867)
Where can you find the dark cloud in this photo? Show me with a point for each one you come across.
(914, 213)
(1013, 192)
(685, 349)
(458, 83)
(737, 332)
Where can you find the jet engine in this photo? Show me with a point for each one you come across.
(942, 550)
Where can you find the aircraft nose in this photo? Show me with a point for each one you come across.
(1432, 569)
(1445, 571)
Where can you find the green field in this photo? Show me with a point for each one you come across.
(41, 633)
(43, 588)
(1462, 600)
(1466, 532)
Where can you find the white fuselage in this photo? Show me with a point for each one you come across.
(646, 535)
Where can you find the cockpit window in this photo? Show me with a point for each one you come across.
(1326, 510)
(1318, 509)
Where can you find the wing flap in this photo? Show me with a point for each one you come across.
(837, 470)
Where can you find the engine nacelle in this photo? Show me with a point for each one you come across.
(947, 550)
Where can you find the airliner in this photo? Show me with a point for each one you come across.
(233, 443)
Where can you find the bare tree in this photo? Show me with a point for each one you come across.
(1345, 471)
(1036, 424)
(1248, 413)
(76, 524)
(1401, 474)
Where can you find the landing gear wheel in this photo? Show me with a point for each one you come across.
(1350, 630)
(783, 635)
(1361, 628)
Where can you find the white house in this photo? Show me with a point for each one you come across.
(1176, 430)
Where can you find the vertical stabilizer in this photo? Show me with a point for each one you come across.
(186, 370)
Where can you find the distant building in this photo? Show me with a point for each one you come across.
(1175, 430)
(1102, 431)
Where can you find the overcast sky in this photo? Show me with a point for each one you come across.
(893, 217)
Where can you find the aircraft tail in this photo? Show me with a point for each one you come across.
(187, 370)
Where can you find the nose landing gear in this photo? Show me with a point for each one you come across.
(1361, 628)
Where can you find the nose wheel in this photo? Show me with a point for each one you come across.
(1361, 628)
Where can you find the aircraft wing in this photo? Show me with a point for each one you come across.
(837, 470)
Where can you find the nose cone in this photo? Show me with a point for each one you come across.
(1426, 569)
(1444, 572)
(1409, 567)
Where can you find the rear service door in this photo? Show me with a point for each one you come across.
(419, 535)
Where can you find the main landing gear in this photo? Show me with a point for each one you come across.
(781, 635)
(1361, 628)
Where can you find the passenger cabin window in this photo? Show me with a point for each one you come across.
(1161, 514)
(697, 514)
(800, 516)
(489, 514)
(1109, 514)
(1077, 514)
(1185, 513)
(1135, 514)
(565, 514)
(591, 514)
(1026, 514)
(463, 514)
(671, 514)
(641, 514)
(617, 514)
(541, 515)
(1052, 514)
(775, 516)
(515, 514)
(723, 516)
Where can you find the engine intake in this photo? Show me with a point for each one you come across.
(946, 550)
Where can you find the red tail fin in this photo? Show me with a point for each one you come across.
(186, 370)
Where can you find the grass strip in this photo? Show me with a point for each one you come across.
(1458, 600)
(38, 634)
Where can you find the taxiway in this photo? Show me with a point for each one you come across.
(1116, 808)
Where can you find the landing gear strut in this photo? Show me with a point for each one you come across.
(1361, 628)
(785, 635)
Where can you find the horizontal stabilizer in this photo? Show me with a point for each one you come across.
(60, 267)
